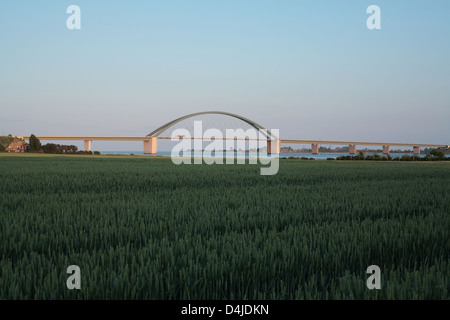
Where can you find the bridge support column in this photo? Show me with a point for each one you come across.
(315, 148)
(416, 150)
(352, 149)
(386, 149)
(151, 145)
(273, 146)
(87, 145)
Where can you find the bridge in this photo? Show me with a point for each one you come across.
(150, 141)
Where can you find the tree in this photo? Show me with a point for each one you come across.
(376, 156)
(437, 154)
(58, 148)
(35, 144)
(406, 157)
(50, 148)
(360, 155)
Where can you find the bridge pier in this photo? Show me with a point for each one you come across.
(273, 146)
(151, 145)
(352, 149)
(386, 149)
(87, 145)
(315, 148)
(416, 150)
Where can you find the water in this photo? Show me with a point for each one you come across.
(320, 156)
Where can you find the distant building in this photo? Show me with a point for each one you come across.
(17, 146)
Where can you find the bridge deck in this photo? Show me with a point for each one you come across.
(363, 143)
(295, 141)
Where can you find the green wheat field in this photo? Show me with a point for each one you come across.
(142, 228)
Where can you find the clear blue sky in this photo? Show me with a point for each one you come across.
(309, 68)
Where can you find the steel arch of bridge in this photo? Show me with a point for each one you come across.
(255, 125)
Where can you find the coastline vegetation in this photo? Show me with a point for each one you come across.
(435, 155)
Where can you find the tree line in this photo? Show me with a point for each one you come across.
(35, 146)
(435, 155)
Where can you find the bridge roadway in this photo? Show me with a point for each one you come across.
(150, 143)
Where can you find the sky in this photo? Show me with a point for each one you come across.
(311, 69)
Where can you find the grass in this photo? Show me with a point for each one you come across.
(144, 228)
